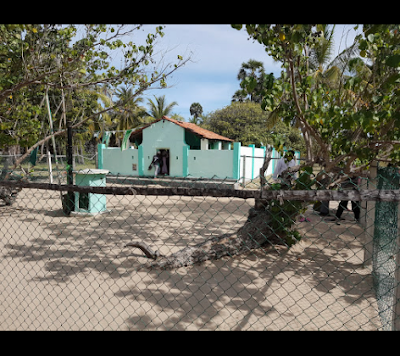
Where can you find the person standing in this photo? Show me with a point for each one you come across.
(283, 164)
(156, 163)
(350, 183)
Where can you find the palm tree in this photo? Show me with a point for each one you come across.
(105, 121)
(240, 96)
(159, 108)
(196, 110)
(253, 69)
(324, 71)
(250, 68)
(130, 114)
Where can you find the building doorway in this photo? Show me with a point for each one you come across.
(164, 169)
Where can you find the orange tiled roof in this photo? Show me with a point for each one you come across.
(191, 127)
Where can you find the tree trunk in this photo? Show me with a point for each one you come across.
(255, 233)
(308, 143)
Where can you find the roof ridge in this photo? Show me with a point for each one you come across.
(197, 130)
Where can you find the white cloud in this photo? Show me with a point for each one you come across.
(216, 48)
(218, 52)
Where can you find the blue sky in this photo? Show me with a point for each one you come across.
(217, 54)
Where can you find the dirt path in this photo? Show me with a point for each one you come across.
(67, 273)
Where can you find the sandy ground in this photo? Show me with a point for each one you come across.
(72, 273)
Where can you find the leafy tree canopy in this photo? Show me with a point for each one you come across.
(73, 66)
(351, 120)
(248, 123)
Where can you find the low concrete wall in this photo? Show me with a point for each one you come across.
(121, 162)
(210, 163)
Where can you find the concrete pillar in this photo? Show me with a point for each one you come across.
(217, 145)
(140, 161)
(253, 146)
(100, 148)
(185, 161)
(236, 160)
(226, 145)
(204, 144)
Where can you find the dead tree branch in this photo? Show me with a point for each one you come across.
(150, 253)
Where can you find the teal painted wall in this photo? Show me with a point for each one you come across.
(210, 163)
(236, 160)
(97, 202)
(100, 148)
(164, 135)
(140, 161)
(183, 161)
(226, 163)
(122, 162)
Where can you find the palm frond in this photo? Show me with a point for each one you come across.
(342, 59)
(332, 75)
(158, 109)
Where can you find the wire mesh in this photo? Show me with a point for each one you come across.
(75, 272)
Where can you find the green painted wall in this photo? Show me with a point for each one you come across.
(122, 162)
(164, 135)
(183, 161)
(96, 202)
(236, 160)
(100, 148)
(210, 163)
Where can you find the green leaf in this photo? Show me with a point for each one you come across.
(393, 61)
(371, 37)
(237, 26)
(251, 83)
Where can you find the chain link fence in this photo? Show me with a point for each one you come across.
(192, 254)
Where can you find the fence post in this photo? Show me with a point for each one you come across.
(396, 294)
(369, 216)
(253, 146)
(244, 171)
(50, 167)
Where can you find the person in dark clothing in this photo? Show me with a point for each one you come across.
(156, 162)
(349, 184)
(355, 206)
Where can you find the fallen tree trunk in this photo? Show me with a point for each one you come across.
(254, 234)
(8, 195)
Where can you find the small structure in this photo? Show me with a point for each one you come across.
(189, 151)
(90, 203)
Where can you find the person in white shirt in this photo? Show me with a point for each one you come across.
(284, 163)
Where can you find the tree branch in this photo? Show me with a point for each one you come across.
(148, 251)
(297, 195)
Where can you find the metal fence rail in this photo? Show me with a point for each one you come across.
(76, 272)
